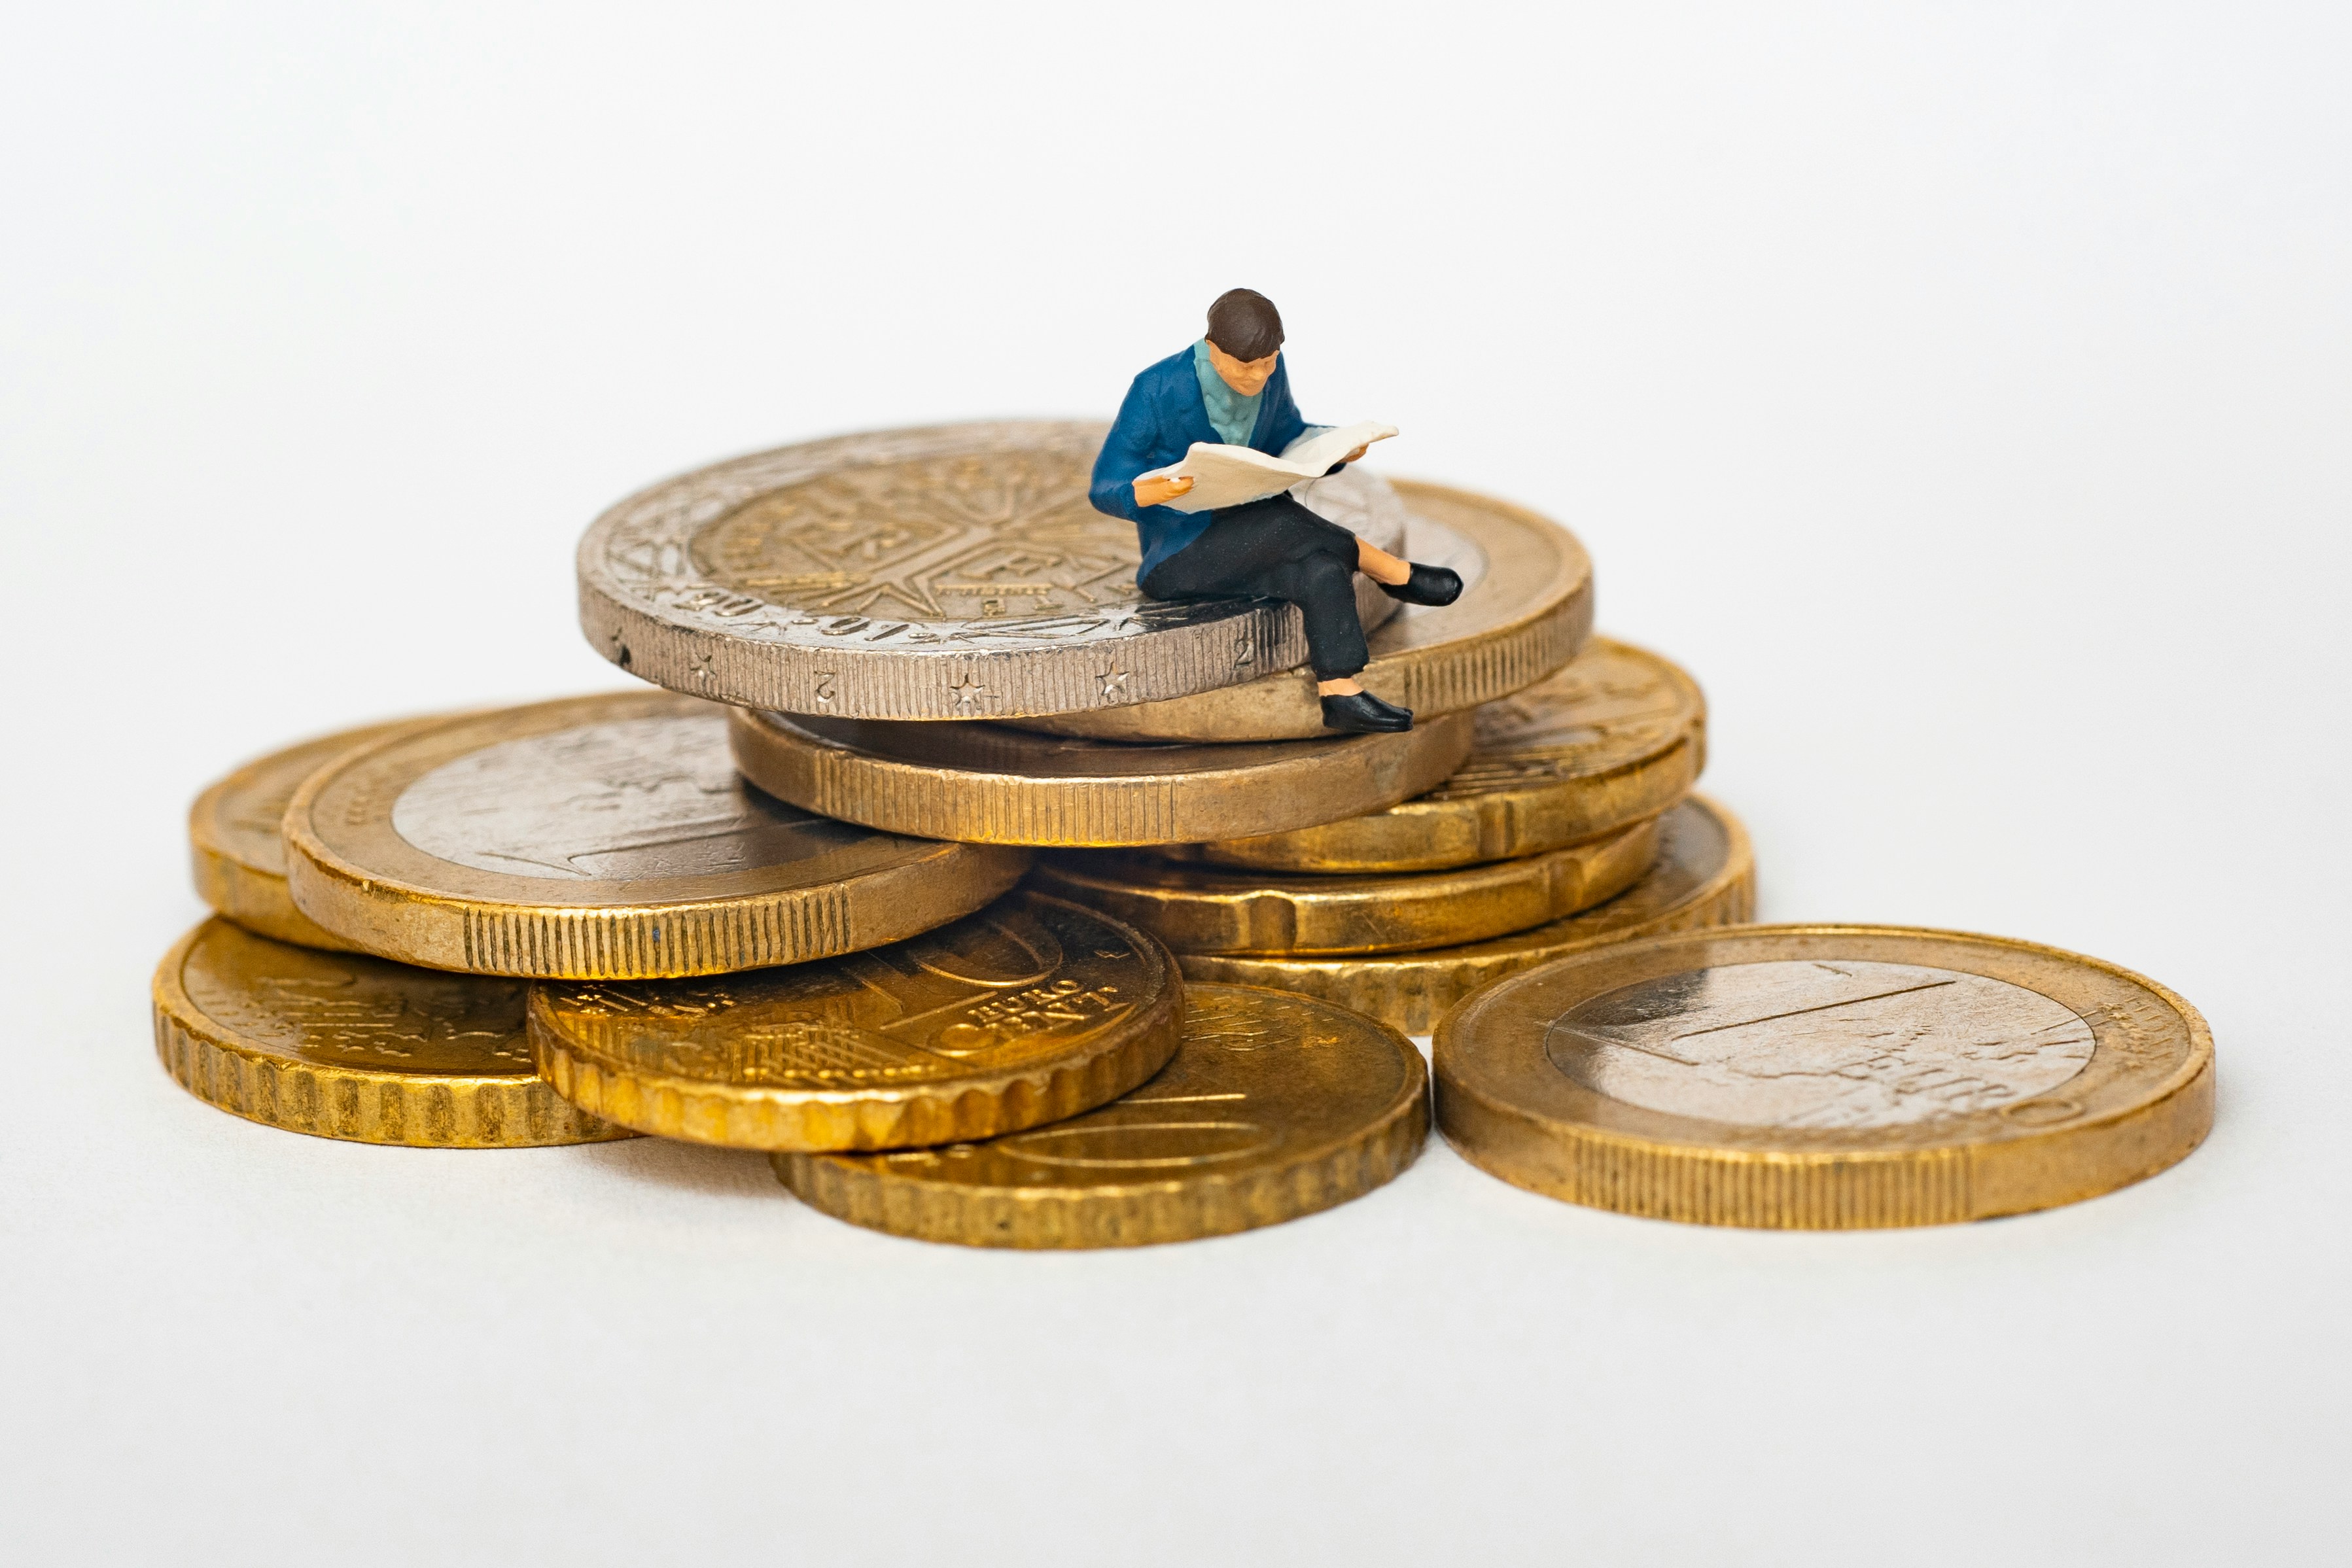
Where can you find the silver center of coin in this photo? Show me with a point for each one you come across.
(626, 800)
(1819, 1045)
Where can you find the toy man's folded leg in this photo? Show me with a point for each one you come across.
(1276, 549)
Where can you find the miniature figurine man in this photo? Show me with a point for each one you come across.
(1232, 387)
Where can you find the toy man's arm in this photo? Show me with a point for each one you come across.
(1132, 447)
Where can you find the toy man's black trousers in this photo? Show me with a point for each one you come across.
(1276, 549)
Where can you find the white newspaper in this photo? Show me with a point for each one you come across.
(1230, 475)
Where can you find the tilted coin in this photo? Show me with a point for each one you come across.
(1704, 875)
(1824, 1077)
(1525, 607)
(602, 838)
(1616, 735)
(985, 783)
(343, 1045)
(956, 571)
(237, 855)
(1030, 1011)
(1273, 1108)
(1211, 909)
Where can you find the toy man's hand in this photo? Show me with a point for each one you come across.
(1153, 492)
(1358, 454)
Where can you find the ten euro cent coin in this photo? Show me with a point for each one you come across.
(1824, 1077)
(344, 1046)
(1030, 1011)
(1617, 736)
(1273, 1108)
(603, 837)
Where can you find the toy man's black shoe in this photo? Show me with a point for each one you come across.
(1427, 585)
(1360, 713)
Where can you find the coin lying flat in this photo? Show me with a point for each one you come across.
(1525, 610)
(237, 856)
(1273, 1108)
(602, 837)
(1704, 875)
(1030, 1011)
(956, 571)
(989, 784)
(1211, 909)
(1618, 735)
(344, 1046)
(1824, 1078)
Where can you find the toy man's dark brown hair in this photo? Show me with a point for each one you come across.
(1245, 324)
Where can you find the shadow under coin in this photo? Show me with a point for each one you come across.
(689, 1167)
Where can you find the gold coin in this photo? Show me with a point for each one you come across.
(1525, 610)
(1617, 736)
(985, 783)
(344, 1046)
(602, 838)
(1704, 875)
(1824, 1078)
(238, 857)
(1029, 1011)
(1209, 909)
(1273, 1108)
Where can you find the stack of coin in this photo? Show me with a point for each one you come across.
(1570, 824)
(795, 904)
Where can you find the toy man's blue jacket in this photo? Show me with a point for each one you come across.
(1162, 416)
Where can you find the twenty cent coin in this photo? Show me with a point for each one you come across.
(344, 1046)
(1273, 1108)
(1617, 736)
(1525, 610)
(985, 783)
(957, 571)
(1824, 1077)
(1030, 1011)
(603, 837)
(1211, 909)
(1704, 875)
(236, 852)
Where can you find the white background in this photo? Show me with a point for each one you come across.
(1961, 392)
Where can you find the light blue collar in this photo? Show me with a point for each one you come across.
(1232, 416)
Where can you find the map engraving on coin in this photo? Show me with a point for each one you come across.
(1819, 1044)
(627, 799)
(957, 571)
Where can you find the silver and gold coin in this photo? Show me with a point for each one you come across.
(1704, 875)
(1525, 607)
(1212, 909)
(1030, 1011)
(956, 571)
(234, 849)
(344, 1046)
(1615, 737)
(1273, 1108)
(603, 837)
(1824, 1077)
(990, 784)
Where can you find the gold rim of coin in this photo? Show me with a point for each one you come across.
(1526, 607)
(991, 784)
(340, 1045)
(1705, 875)
(1273, 1108)
(1825, 1078)
(1211, 909)
(1030, 1011)
(235, 852)
(949, 571)
(1618, 735)
(603, 837)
